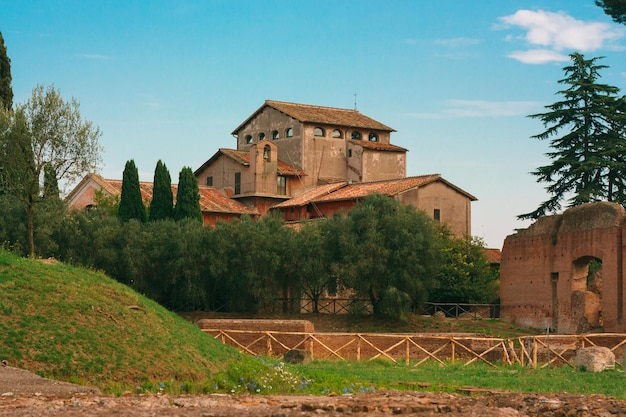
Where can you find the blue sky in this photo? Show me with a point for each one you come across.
(170, 80)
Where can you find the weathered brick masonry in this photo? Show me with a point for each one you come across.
(544, 275)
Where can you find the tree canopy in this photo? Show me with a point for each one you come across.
(162, 204)
(614, 8)
(589, 159)
(46, 132)
(131, 203)
(188, 196)
(6, 92)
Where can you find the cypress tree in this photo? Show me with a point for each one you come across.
(131, 204)
(188, 196)
(50, 183)
(161, 206)
(6, 92)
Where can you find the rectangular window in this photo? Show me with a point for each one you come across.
(237, 182)
(209, 181)
(281, 182)
(437, 214)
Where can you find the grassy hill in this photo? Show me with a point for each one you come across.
(80, 326)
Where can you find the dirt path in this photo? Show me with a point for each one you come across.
(25, 394)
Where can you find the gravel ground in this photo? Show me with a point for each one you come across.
(25, 394)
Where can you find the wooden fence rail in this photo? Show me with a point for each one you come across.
(416, 349)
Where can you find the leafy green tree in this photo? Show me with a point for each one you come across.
(313, 262)
(187, 197)
(49, 215)
(465, 275)
(6, 92)
(50, 183)
(46, 131)
(614, 8)
(395, 253)
(162, 204)
(131, 203)
(589, 160)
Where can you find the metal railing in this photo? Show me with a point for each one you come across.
(364, 306)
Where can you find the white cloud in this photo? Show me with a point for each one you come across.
(538, 56)
(482, 108)
(556, 32)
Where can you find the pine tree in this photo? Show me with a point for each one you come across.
(6, 92)
(162, 205)
(131, 204)
(614, 8)
(188, 196)
(589, 160)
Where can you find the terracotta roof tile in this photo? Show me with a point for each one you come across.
(387, 187)
(310, 195)
(211, 199)
(243, 158)
(344, 191)
(307, 113)
(494, 256)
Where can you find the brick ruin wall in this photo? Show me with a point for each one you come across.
(543, 275)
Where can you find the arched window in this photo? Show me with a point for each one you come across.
(289, 133)
(248, 139)
(275, 135)
(318, 131)
(373, 137)
(267, 153)
(337, 133)
(261, 136)
(356, 135)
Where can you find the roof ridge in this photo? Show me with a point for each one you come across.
(397, 179)
(317, 106)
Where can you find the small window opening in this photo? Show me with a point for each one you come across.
(356, 135)
(275, 135)
(261, 136)
(237, 182)
(248, 139)
(209, 181)
(337, 134)
(373, 137)
(281, 182)
(318, 131)
(437, 214)
(349, 153)
(289, 133)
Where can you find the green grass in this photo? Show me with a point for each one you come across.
(80, 326)
(348, 377)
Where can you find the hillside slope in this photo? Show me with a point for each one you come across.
(78, 325)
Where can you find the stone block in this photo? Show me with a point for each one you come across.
(298, 356)
(594, 359)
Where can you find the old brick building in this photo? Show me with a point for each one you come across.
(306, 162)
(309, 161)
(566, 272)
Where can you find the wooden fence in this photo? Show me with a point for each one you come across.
(416, 349)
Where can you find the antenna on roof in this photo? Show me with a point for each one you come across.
(355, 94)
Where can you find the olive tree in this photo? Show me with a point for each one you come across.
(46, 132)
